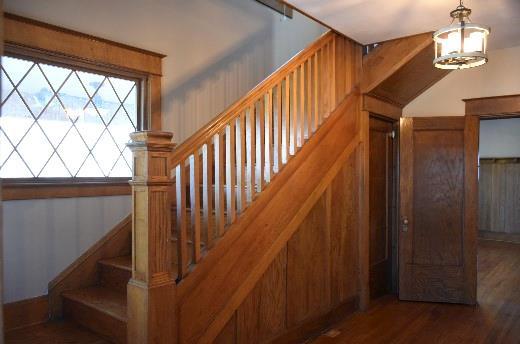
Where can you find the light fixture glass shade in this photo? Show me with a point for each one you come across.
(462, 44)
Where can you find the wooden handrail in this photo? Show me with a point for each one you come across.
(183, 150)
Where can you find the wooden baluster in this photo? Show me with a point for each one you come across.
(195, 203)
(230, 172)
(333, 74)
(268, 135)
(287, 118)
(294, 112)
(316, 113)
(302, 106)
(182, 230)
(278, 130)
(260, 150)
(251, 154)
(220, 220)
(308, 95)
(207, 193)
(325, 81)
(241, 160)
(151, 290)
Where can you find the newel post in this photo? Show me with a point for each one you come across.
(151, 290)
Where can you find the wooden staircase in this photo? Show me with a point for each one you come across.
(102, 307)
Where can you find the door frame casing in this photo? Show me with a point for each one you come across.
(395, 197)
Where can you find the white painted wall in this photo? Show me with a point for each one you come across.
(42, 237)
(500, 138)
(217, 50)
(500, 76)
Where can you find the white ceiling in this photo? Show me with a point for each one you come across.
(371, 21)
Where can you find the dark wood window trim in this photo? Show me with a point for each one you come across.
(41, 41)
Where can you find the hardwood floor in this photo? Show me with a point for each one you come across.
(496, 319)
(56, 332)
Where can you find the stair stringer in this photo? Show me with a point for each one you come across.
(210, 295)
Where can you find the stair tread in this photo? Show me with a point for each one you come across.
(123, 262)
(102, 299)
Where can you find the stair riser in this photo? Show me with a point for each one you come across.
(103, 324)
(114, 278)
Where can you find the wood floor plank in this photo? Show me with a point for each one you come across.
(496, 318)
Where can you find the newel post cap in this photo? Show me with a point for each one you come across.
(151, 140)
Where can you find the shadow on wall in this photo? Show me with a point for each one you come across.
(209, 92)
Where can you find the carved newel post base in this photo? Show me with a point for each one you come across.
(151, 290)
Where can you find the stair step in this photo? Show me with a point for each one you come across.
(114, 273)
(100, 309)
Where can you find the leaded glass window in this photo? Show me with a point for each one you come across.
(59, 121)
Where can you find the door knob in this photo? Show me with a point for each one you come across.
(405, 224)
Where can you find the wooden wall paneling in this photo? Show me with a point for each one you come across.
(344, 222)
(363, 165)
(308, 268)
(25, 313)
(470, 232)
(228, 335)
(262, 315)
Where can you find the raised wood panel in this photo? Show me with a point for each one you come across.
(262, 315)
(344, 224)
(438, 189)
(499, 187)
(308, 266)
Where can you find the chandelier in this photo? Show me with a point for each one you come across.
(462, 44)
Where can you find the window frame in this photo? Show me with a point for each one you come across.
(71, 49)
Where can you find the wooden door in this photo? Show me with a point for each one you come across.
(438, 209)
(381, 174)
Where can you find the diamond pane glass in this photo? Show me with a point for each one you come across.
(73, 151)
(106, 153)
(35, 90)
(55, 122)
(63, 122)
(16, 118)
(15, 68)
(90, 125)
(106, 101)
(35, 158)
(56, 75)
(5, 148)
(7, 87)
(14, 166)
(55, 168)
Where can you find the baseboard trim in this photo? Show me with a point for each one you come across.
(26, 312)
(314, 327)
(499, 236)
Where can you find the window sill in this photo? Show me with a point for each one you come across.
(44, 188)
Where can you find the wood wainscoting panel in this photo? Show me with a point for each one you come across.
(344, 224)
(26, 313)
(313, 281)
(308, 266)
(499, 187)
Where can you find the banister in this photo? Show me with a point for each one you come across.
(185, 149)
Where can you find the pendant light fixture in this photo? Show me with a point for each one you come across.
(462, 44)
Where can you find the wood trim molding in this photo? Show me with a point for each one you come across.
(38, 35)
(14, 190)
(499, 106)
(83, 271)
(25, 313)
(381, 107)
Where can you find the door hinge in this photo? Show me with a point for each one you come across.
(392, 134)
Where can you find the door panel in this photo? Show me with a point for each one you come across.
(437, 240)
(381, 195)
